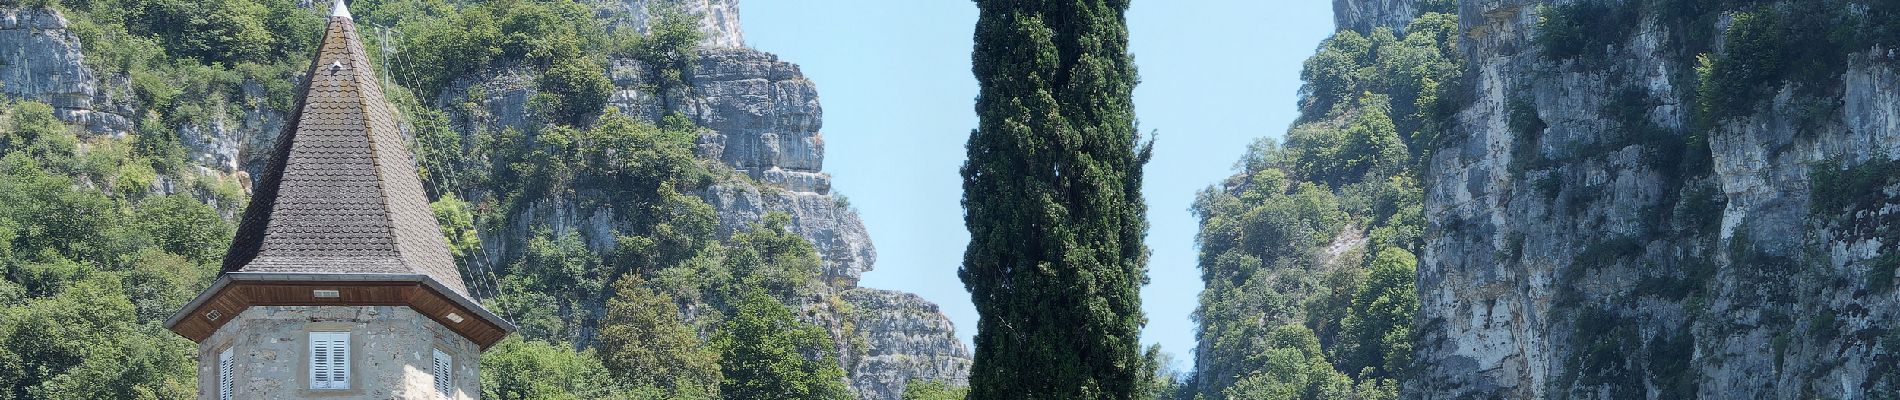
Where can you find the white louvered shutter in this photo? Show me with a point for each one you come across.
(329, 360)
(444, 369)
(226, 382)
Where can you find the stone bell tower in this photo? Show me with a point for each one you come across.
(339, 283)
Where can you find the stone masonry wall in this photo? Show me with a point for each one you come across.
(390, 353)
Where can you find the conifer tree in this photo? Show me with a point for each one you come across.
(1053, 204)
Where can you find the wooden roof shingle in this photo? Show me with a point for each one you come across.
(341, 193)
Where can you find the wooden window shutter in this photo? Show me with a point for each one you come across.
(329, 360)
(226, 382)
(444, 373)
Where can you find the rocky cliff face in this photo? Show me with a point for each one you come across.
(42, 61)
(1364, 15)
(762, 119)
(718, 19)
(908, 338)
(1581, 245)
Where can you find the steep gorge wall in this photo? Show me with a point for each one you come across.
(762, 119)
(1582, 245)
(42, 61)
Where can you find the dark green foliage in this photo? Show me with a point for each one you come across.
(670, 48)
(521, 369)
(1584, 29)
(1414, 73)
(1294, 369)
(441, 154)
(772, 258)
(1337, 72)
(645, 342)
(1606, 253)
(1527, 130)
(542, 34)
(1804, 43)
(1367, 145)
(1371, 106)
(34, 132)
(1834, 190)
(1880, 273)
(87, 272)
(633, 162)
(1670, 357)
(1052, 199)
(1377, 333)
(934, 390)
(225, 31)
(185, 226)
(576, 89)
(1604, 345)
(86, 343)
(1753, 60)
(546, 290)
(762, 354)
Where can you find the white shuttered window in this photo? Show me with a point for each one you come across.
(226, 382)
(444, 369)
(329, 360)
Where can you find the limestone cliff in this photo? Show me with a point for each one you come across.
(41, 61)
(718, 19)
(761, 119)
(1366, 15)
(1588, 238)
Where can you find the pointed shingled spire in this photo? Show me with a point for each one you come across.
(341, 193)
(340, 10)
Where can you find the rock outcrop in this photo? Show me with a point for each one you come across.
(718, 19)
(1365, 15)
(908, 339)
(762, 119)
(1579, 247)
(41, 61)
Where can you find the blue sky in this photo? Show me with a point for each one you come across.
(894, 77)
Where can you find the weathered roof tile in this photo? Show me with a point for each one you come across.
(341, 193)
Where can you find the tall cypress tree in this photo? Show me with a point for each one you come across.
(1053, 203)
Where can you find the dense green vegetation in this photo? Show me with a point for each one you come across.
(1308, 253)
(1052, 199)
(95, 254)
(93, 263)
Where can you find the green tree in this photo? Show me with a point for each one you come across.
(182, 225)
(1378, 330)
(521, 369)
(227, 31)
(37, 133)
(458, 226)
(1293, 368)
(547, 290)
(576, 89)
(670, 47)
(770, 257)
(1052, 199)
(934, 390)
(85, 343)
(764, 352)
(645, 343)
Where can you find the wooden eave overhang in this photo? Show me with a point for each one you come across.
(234, 292)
